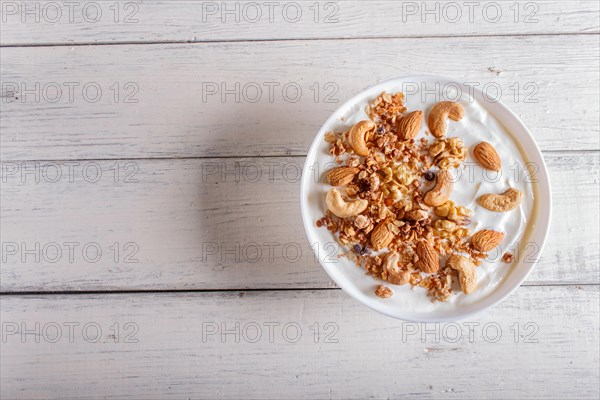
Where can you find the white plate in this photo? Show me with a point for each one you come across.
(506, 130)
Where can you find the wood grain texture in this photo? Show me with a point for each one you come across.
(168, 21)
(219, 224)
(541, 342)
(133, 101)
(148, 187)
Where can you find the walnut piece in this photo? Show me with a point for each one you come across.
(383, 291)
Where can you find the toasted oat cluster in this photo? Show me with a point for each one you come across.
(383, 291)
(378, 208)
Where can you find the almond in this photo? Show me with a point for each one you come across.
(409, 125)
(341, 176)
(487, 156)
(381, 236)
(486, 240)
(428, 259)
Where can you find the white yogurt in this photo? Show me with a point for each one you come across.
(471, 182)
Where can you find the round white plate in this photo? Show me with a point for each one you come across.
(506, 130)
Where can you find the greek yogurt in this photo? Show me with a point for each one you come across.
(471, 181)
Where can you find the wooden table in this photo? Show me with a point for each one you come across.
(152, 245)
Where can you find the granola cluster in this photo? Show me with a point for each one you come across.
(378, 207)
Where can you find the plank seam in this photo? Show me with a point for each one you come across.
(566, 152)
(160, 291)
(163, 42)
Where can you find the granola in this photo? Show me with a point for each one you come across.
(383, 291)
(399, 237)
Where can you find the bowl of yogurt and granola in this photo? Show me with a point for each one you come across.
(426, 199)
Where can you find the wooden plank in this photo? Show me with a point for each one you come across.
(541, 342)
(48, 22)
(217, 224)
(134, 101)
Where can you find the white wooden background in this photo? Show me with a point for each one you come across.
(194, 243)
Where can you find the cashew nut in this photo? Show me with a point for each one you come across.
(440, 112)
(342, 208)
(441, 191)
(395, 274)
(358, 137)
(467, 276)
(501, 202)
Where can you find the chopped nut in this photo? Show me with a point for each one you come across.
(383, 291)
(417, 215)
(437, 148)
(330, 137)
(448, 152)
(507, 257)
(445, 209)
(439, 286)
(361, 221)
(351, 190)
(386, 108)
